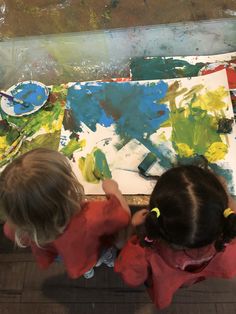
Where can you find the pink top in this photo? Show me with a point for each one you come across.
(165, 270)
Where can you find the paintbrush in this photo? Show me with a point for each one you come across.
(20, 137)
(14, 99)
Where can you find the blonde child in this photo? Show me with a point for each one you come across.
(185, 236)
(45, 209)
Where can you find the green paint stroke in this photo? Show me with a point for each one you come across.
(50, 141)
(162, 68)
(94, 166)
(193, 130)
(72, 146)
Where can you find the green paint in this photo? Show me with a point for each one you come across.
(173, 92)
(195, 128)
(50, 141)
(12, 135)
(162, 68)
(94, 166)
(87, 166)
(72, 146)
(191, 93)
(101, 170)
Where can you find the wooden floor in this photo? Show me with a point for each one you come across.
(24, 289)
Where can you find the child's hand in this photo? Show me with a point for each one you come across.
(110, 186)
(139, 217)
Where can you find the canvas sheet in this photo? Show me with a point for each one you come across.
(120, 122)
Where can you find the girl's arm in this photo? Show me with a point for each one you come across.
(111, 187)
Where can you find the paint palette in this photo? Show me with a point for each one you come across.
(34, 95)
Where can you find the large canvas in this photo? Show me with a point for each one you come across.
(109, 127)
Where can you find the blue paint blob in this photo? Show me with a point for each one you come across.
(227, 174)
(135, 109)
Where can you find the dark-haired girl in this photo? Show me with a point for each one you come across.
(186, 236)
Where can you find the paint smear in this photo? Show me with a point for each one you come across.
(136, 110)
(211, 100)
(49, 141)
(216, 151)
(72, 146)
(94, 166)
(101, 170)
(227, 174)
(150, 68)
(162, 68)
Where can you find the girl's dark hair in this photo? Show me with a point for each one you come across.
(191, 201)
(39, 194)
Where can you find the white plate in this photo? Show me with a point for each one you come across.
(33, 93)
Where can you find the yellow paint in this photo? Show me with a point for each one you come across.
(212, 100)
(54, 125)
(162, 137)
(190, 94)
(173, 92)
(3, 142)
(184, 150)
(87, 167)
(216, 151)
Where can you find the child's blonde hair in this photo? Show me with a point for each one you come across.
(39, 194)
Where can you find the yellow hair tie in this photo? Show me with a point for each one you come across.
(157, 211)
(227, 212)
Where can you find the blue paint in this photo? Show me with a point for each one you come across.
(135, 109)
(227, 174)
(33, 94)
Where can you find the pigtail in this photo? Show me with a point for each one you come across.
(229, 231)
(150, 230)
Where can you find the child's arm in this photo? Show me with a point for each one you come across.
(111, 187)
